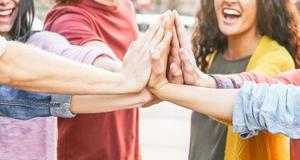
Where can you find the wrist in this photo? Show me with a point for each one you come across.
(223, 82)
(206, 81)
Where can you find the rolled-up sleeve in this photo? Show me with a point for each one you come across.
(19, 104)
(274, 108)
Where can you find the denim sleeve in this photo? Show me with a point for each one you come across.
(19, 104)
(273, 108)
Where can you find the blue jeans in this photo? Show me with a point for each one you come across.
(274, 108)
(19, 104)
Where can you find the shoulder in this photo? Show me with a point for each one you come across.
(66, 13)
(49, 38)
(49, 41)
(271, 57)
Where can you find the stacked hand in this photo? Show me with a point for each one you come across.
(176, 63)
(136, 63)
(163, 55)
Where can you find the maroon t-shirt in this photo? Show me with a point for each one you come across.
(103, 136)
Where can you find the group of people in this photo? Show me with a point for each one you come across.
(120, 71)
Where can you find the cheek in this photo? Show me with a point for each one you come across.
(251, 17)
(218, 8)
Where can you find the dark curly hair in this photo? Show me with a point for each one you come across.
(277, 19)
(21, 29)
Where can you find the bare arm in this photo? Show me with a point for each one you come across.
(212, 102)
(104, 103)
(29, 68)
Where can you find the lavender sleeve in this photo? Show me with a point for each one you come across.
(57, 44)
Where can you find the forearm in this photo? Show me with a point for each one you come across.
(32, 69)
(212, 102)
(107, 103)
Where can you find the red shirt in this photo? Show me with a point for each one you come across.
(291, 77)
(105, 136)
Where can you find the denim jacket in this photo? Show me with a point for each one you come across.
(20, 104)
(274, 108)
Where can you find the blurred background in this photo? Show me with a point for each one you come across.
(164, 128)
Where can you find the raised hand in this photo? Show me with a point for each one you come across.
(192, 74)
(159, 59)
(182, 64)
(137, 66)
(174, 65)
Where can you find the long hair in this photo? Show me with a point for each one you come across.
(21, 29)
(277, 19)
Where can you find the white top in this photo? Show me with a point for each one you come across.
(3, 44)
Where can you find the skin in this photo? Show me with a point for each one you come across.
(94, 104)
(243, 38)
(76, 78)
(241, 33)
(39, 78)
(190, 97)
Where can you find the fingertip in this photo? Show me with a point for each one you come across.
(169, 12)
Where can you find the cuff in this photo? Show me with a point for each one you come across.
(224, 82)
(240, 120)
(62, 108)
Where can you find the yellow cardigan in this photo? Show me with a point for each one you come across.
(268, 58)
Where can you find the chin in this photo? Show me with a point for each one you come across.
(5, 28)
(229, 31)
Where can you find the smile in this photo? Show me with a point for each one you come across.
(6, 15)
(6, 12)
(228, 12)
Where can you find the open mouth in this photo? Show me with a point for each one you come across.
(229, 13)
(6, 14)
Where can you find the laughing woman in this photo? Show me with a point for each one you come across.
(233, 36)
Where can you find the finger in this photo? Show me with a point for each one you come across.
(170, 18)
(171, 60)
(175, 48)
(157, 67)
(180, 31)
(187, 66)
(167, 23)
(161, 49)
(158, 37)
(176, 75)
(151, 31)
(175, 42)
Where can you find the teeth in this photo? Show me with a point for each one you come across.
(5, 13)
(231, 12)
